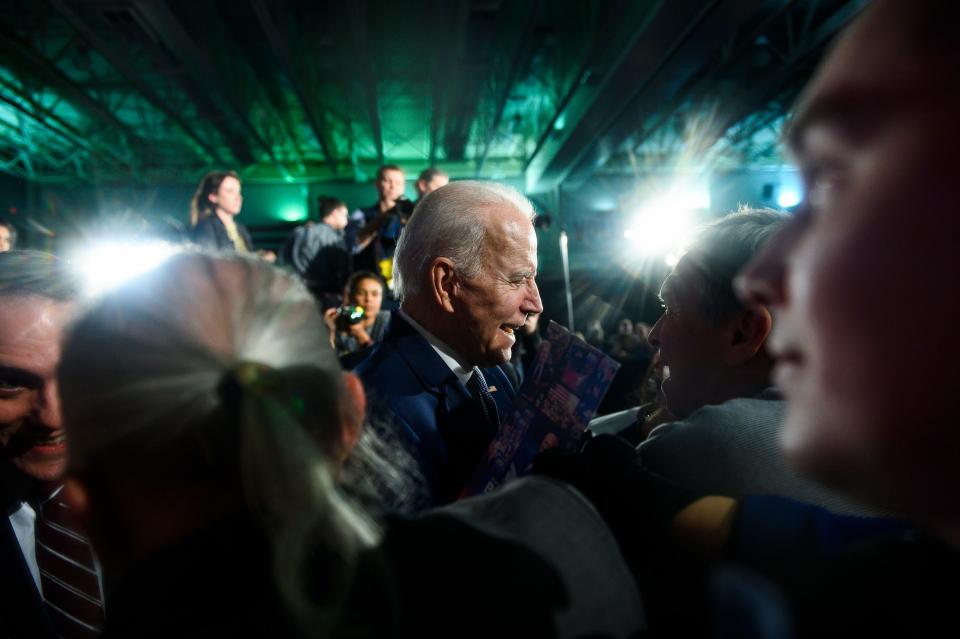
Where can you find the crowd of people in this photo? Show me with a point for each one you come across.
(188, 454)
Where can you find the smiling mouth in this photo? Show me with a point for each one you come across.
(509, 330)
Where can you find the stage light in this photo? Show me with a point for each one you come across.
(294, 213)
(788, 197)
(102, 266)
(671, 260)
(659, 229)
(663, 224)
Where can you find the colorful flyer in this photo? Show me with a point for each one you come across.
(556, 401)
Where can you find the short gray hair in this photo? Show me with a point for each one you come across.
(33, 273)
(722, 248)
(451, 222)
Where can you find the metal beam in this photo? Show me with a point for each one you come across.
(134, 78)
(357, 12)
(67, 132)
(168, 29)
(674, 44)
(763, 88)
(449, 26)
(520, 58)
(15, 48)
(282, 55)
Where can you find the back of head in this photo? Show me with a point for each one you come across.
(215, 373)
(327, 205)
(721, 249)
(33, 273)
(451, 222)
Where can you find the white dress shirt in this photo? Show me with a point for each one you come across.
(447, 354)
(23, 521)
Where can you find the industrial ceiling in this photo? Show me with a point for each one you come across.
(554, 92)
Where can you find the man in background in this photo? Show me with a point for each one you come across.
(318, 252)
(8, 236)
(373, 231)
(429, 181)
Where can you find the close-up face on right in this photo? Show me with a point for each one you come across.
(860, 283)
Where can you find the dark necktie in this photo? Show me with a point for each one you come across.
(477, 386)
(68, 573)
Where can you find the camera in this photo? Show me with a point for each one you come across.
(348, 316)
(403, 208)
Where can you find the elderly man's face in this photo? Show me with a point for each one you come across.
(31, 429)
(690, 345)
(872, 390)
(491, 307)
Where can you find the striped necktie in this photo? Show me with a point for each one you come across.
(68, 573)
(479, 389)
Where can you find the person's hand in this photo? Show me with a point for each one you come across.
(267, 256)
(360, 333)
(330, 319)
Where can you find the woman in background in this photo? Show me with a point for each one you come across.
(213, 211)
(364, 289)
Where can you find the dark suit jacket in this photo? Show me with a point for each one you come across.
(211, 232)
(22, 611)
(411, 387)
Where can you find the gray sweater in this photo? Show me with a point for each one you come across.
(733, 449)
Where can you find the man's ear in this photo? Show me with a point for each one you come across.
(747, 330)
(443, 281)
(75, 495)
(352, 412)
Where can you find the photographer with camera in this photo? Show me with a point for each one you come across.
(358, 323)
(373, 231)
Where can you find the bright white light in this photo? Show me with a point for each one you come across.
(671, 259)
(104, 265)
(692, 198)
(659, 229)
(788, 197)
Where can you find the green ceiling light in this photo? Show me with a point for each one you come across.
(560, 122)
(293, 213)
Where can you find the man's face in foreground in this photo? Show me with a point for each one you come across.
(31, 428)
(861, 281)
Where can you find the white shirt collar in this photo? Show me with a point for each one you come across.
(446, 353)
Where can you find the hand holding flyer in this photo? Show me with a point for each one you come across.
(555, 403)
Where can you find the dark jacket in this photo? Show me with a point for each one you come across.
(211, 232)
(411, 388)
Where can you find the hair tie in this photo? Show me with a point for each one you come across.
(255, 379)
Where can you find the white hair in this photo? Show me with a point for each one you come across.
(228, 356)
(451, 222)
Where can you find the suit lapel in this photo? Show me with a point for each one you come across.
(22, 611)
